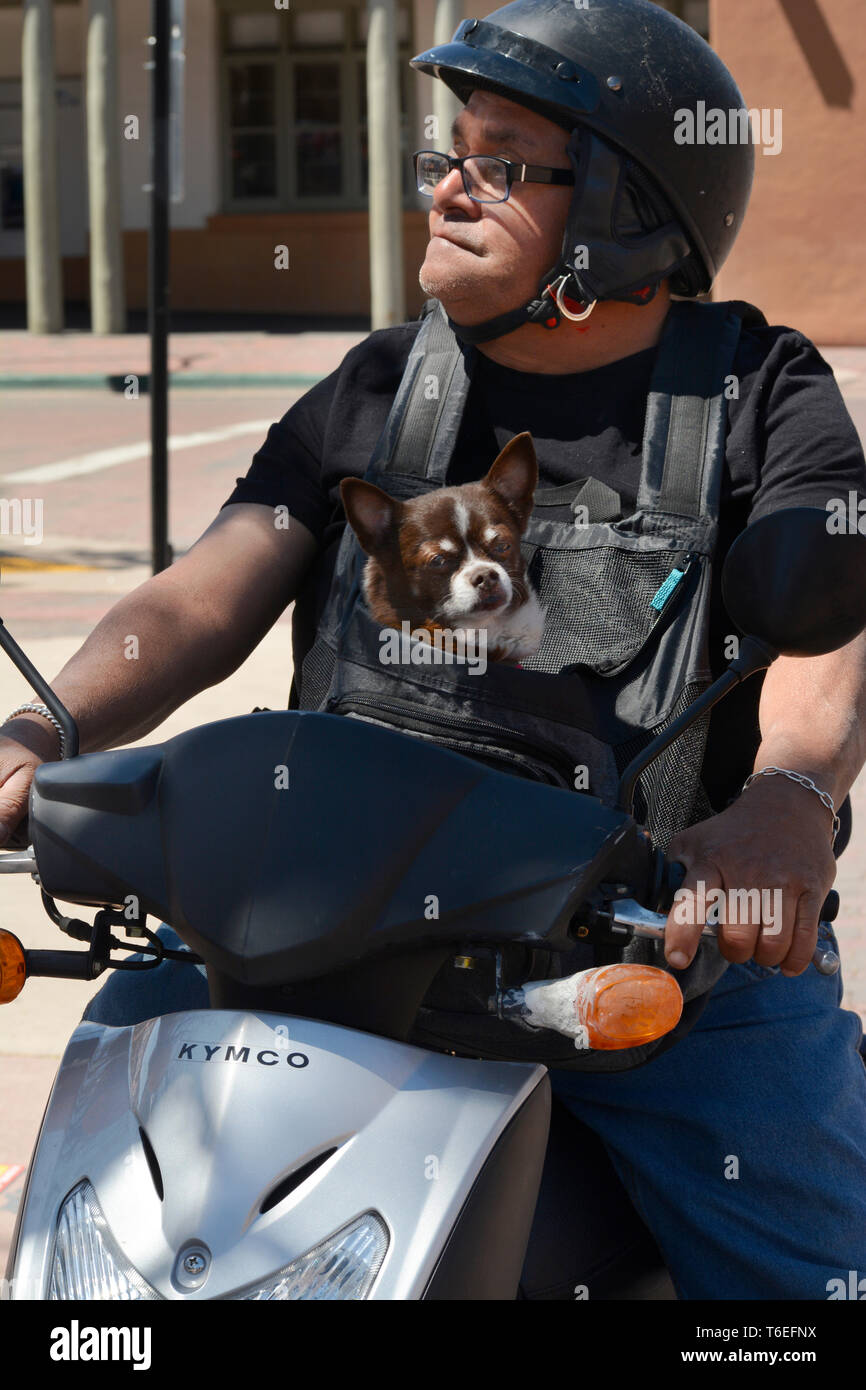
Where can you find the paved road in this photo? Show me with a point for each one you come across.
(100, 517)
(95, 521)
(278, 350)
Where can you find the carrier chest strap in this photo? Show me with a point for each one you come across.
(684, 433)
(684, 430)
(419, 434)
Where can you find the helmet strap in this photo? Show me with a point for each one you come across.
(543, 309)
(601, 262)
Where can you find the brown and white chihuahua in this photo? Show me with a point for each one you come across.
(449, 561)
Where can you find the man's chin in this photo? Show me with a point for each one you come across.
(463, 306)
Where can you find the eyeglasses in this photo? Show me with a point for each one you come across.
(486, 177)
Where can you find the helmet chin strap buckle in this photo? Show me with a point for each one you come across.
(566, 313)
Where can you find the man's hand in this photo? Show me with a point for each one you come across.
(25, 742)
(775, 836)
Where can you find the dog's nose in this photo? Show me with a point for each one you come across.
(485, 581)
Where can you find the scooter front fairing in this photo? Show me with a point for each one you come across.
(229, 1155)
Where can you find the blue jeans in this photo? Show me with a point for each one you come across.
(131, 996)
(743, 1148)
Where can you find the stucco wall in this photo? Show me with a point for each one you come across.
(800, 255)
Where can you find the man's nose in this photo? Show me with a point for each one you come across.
(450, 191)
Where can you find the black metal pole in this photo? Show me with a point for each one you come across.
(157, 292)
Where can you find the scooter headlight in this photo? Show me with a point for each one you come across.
(342, 1267)
(86, 1263)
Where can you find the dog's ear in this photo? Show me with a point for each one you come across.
(514, 476)
(371, 513)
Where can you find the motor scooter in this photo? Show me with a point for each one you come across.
(290, 1141)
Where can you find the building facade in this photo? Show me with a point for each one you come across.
(274, 154)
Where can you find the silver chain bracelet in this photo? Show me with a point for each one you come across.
(46, 714)
(804, 782)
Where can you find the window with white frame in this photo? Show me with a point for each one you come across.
(294, 105)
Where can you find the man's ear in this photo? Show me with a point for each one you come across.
(513, 476)
(371, 513)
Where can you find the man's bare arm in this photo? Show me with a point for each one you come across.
(777, 834)
(813, 717)
(194, 623)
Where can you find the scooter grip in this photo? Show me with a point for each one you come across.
(830, 910)
(826, 962)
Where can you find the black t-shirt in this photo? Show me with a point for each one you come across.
(791, 442)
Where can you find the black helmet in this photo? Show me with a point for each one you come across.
(616, 73)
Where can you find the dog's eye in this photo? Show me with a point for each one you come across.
(499, 547)
(436, 561)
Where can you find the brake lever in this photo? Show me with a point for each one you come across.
(18, 861)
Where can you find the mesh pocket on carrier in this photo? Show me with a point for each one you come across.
(599, 604)
(669, 794)
(316, 674)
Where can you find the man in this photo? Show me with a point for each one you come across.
(744, 1146)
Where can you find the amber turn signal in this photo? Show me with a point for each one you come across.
(626, 1005)
(13, 967)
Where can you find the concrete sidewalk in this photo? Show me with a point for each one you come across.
(246, 357)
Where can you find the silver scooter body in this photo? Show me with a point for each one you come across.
(188, 1127)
